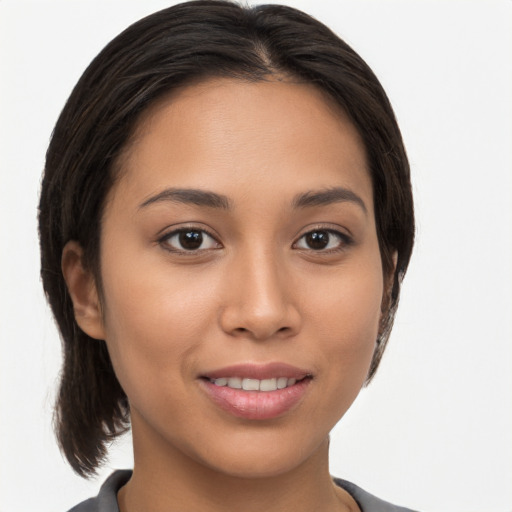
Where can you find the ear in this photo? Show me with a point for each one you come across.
(82, 290)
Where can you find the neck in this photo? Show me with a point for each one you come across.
(165, 479)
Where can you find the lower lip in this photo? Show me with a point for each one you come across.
(257, 405)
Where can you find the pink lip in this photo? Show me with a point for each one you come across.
(258, 371)
(257, 405)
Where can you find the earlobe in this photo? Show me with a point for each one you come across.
(82, 290)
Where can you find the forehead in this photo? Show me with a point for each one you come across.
(226, 132)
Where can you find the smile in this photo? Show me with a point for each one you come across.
(248, 384)
(257, 391)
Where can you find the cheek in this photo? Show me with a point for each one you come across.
(350, 299)
(346, 314)
(153, 321)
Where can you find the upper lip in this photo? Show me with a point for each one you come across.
(258, 371)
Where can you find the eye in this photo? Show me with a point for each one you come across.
(322, 240)
(189, 240)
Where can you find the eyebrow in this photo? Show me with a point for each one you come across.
(213, 200)
(326, 197)
(190, 196)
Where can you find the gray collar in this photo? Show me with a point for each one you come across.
(106, 501)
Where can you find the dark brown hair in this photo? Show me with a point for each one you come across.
(166, 50)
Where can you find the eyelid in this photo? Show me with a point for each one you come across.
(346, 238)
(171, 231)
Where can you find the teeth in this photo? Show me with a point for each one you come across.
(268, 385)
(235, 383)
(282, 382)
(251, 384)
(255, 384)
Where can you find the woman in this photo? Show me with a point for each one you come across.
(225, 221)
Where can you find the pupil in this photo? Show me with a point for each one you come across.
(317, 239)
(191, 240)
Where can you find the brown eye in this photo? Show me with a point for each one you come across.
(317, 240)
(322, 240)
(189, 240)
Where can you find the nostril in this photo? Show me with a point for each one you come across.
(260, 334)
(238, 319)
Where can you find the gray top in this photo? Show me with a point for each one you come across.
(106, 501)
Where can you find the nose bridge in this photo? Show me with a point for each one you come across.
(264, 288)
(261, 302)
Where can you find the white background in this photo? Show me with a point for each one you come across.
(434, 430)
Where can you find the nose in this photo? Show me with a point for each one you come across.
(260, 302)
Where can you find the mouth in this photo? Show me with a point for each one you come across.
(257, 392)
(248, 384)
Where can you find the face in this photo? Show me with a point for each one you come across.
(242, 279)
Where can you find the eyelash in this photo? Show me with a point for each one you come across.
(164, 241)
(343, 240)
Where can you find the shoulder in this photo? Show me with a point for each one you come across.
(366, 501)
(106, 501)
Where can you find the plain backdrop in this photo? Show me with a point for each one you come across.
(434, 429)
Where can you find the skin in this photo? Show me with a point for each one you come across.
(255, 292)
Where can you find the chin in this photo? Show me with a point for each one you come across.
(257, 467)
(262, 458)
